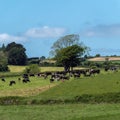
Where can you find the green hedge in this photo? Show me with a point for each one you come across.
(85, 98)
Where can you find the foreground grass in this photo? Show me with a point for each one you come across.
(61, 112)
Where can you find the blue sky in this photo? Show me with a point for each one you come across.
(37, 24)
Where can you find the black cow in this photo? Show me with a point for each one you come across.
(25, 80)
(32, 75)
(52, 80)
(94, 71)
(25, 75)
(12, 82)
(3, 79)
(19, 79)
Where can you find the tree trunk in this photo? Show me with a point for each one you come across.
(66, 68)
(71, 68)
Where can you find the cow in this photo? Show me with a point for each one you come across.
(12, 82)
(51, 80)
(32, 75)
(19, 79)
(25, 80)
(94, 71)
(3, 79)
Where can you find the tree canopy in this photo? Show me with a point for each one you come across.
(67, 51)
(64, 42)
(16, 54)
(69, 57)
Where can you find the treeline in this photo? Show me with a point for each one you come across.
(15, 54)
(67, 52)
(12, 54)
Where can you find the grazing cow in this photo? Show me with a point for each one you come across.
(19, 79)
(3, 79)
(112, 68)
(25, 75)
(25, 80)
(64, 78)
(94, 71)
(32, 75)
(12, 82)
(76, 75)
(51, 80)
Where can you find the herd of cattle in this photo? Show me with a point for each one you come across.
(60, 75)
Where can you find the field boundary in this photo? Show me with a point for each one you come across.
(85, 98)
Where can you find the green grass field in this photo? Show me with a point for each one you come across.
(100, 84)
(103, 83)
(42, 69)
(40, 89)
(35, 86)
(61, 112)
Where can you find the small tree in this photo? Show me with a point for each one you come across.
(97, 55)
(32, 69)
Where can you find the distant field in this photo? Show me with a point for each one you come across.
(14, 68)
(103, 59)
(42, 69)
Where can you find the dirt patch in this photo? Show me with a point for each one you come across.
(27, 92)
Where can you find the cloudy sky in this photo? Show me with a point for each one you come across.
(37, 24)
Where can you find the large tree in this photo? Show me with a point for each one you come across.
(69, 57)
(67, 51)
(64, 42)
(16, 54)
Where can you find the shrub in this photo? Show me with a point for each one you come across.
(33, 68)
(3, 68)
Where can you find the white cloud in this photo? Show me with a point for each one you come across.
(112, 30)
(40, 32)
(4, 37)
(45, 32)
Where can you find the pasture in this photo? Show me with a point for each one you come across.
(35, 86)
(40, 89)
(61, 112)
(42, 69)
(103, 83)
(104, 59)
(106, 82)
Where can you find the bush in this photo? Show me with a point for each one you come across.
(32, 69)
(4, 68)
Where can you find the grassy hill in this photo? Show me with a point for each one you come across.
(60, 100)
(95, 85)
(106, 82)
